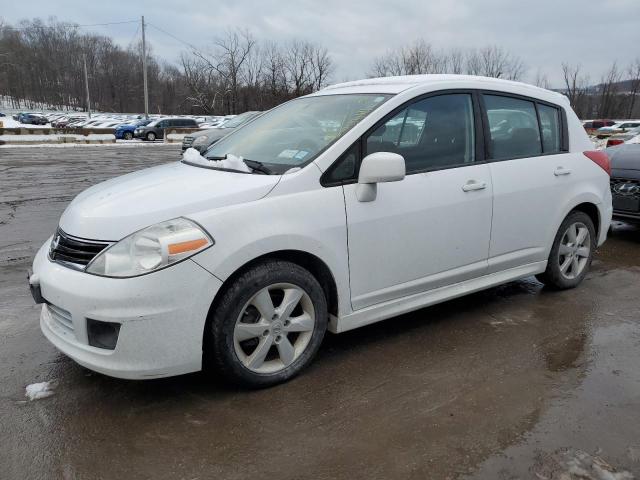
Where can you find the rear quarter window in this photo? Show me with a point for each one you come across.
(550, 128)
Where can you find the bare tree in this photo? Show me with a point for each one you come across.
(576, 85)
(414, 59)
(321, 66)
(421, 58)
(541, 80)
(493, 61)
(609, 92)
(634, 88)
(456, 61)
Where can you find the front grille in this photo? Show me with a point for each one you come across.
(61, 317)
(625, 187)
(76, 251)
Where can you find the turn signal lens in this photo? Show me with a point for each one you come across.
(183, 247)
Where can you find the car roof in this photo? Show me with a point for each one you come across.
(394, 85)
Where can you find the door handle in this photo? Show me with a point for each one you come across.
(474, 185)
(562, 171)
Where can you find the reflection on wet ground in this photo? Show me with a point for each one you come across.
(512, 382)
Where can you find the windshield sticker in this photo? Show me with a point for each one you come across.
(287, 153)
(301, 154)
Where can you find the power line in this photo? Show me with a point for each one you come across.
(176, 38)
(68, 25)
(134, 35)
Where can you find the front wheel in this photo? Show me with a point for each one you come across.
(151, 136)
(268, 324)
(571, 253)
(128, 135)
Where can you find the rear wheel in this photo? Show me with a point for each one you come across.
(268, 324)
(127, 135)
(571, 253)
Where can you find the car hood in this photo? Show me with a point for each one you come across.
(625, 158)
(118, 207)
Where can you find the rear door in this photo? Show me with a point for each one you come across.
(531, 171)
(432, 228)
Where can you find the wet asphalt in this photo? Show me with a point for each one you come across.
(515, 382)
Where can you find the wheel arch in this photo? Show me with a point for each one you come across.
(591, 209)
(315, 265)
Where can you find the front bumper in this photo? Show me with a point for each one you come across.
(162, 317)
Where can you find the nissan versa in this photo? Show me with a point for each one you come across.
(345, 207)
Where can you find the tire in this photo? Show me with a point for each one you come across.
(571, 253)
(238, 332)
(151, 136)
(127, 135)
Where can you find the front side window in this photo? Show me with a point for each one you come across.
(513, 127)
(293, 134)
(550, 126)
(436, 132)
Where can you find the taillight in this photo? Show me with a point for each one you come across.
(614, 141)
(601, 158)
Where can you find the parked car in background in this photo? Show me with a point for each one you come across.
(155, 129)
(621, 138)
(63, 122)
(591, 126)
(203, 140)
(324, 213)
(33, 119)
(625, 181)
(125, 131)
(619, 127)
(2, 114)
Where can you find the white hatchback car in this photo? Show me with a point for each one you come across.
(357, 203)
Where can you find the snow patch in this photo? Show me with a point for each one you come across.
(37, 391)
(232, 162)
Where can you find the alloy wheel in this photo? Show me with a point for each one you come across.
(574, 250)
(274, 328)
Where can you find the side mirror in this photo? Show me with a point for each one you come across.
(377, 168)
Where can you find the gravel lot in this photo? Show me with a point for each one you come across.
(513, 382)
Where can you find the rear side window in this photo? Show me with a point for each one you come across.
(436, 132)
(599, 124)
(550, 127)
(513, 127)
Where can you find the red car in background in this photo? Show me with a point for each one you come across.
(592, 125)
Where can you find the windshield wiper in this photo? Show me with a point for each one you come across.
(257, 166)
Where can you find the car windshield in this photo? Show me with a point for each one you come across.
(293, 134)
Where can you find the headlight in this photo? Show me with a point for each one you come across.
(150, 249)
(199, 140)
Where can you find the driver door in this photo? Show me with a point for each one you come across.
(431, 229)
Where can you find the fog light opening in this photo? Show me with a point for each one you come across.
(103, 334)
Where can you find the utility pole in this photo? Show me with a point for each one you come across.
(86, 83)
(144, 72)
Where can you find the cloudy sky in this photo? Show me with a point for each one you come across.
(544, 33)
